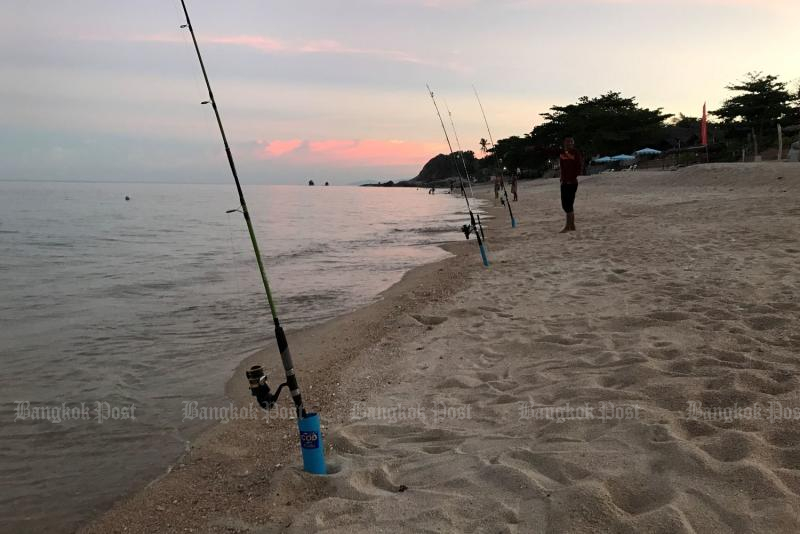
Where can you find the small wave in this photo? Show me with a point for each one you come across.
(429, 229)
(55, 244)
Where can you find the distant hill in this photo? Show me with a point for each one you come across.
(439, 170)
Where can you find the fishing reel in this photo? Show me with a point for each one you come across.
(467, 229)
(260, 389)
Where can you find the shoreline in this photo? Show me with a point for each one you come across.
(336, 343)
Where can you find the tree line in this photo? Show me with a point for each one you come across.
(612, 124)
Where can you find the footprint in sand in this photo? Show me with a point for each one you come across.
(669, 316)
(549, 466)
(559, 340)
(429, 320)
(464, 312)
(637, 493)
(731, 446)
(766, 322)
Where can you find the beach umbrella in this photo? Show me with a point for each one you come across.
(623, 157)
(647, 152)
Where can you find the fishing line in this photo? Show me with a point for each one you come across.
(463, 163)
(458, 144)
(188, 49)
(234, 257)
(496, 160)
(309, 423)
(461, 182)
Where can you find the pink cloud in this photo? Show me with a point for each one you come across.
(349, 152)
(265, 44)
(279, 147)
(271, 45)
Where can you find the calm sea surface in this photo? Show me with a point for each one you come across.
(156, 300)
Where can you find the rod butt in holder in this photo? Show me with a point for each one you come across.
(513, 222)
(311, 444)
(483, 256)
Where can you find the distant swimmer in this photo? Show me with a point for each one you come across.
(127, 197)
(571, 164)
(327, 184)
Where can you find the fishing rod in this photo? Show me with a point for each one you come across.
(463, 163)
(309, 423)
(497, 160)
(461, 182)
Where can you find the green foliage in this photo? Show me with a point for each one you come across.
(684, 121)
(514, 152)
(608, 124)
(763, 101)
(612, 124)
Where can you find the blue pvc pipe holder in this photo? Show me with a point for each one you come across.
(311, 444)
(513, 222)
(483, 257)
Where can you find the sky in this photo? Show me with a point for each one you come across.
(99, 90)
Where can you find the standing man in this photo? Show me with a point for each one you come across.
(571, 167)
(514, 179)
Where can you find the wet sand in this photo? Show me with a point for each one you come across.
(639, 375)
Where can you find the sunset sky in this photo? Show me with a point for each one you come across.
(335, 89)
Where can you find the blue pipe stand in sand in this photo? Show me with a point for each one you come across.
(311, 444)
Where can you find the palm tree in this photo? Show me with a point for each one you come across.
(484, 143)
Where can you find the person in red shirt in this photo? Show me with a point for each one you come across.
(571, 164)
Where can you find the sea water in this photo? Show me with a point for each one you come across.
(108, 304)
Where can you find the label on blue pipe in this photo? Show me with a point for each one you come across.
(309, 439)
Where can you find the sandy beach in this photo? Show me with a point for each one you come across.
(639, 375)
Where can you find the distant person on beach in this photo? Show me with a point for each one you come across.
(498, 180)
(452, 185)
(514, 186)
(571, 164)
